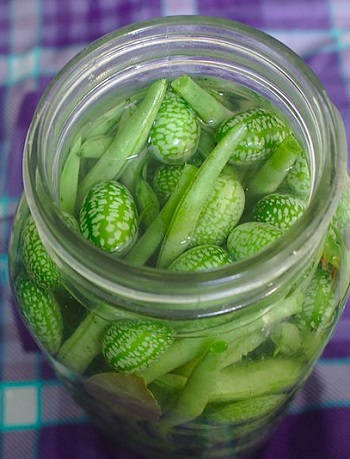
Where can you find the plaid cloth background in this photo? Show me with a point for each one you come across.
(37, 37)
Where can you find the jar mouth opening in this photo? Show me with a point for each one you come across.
(257, 275)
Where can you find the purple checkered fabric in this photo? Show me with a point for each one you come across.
(37, 37)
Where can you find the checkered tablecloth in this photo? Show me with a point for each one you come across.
(38, 420)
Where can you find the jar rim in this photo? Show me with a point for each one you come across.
(155, 289)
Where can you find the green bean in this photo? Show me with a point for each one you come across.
(133, 171)
(241, 346)
(195, 395)
(182, 351)
(243, 381)
(129, 140)
(241, 335)
(148, 243)
(78, 351)
(275, 169)
(206, 142)
(253, 378)
(209, 109)
(94, 147)
(69, 179)
(187, 213)
(287, 338)
(243, 411)
(104, 124)
(147, 203)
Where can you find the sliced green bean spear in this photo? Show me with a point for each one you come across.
(148, 243)
(242, 337)
(195, 395)
(287, 338)
(187, 213)
(275, 169)
(245, 380)
(93, 147)
(129, 140)
(253, 378)
(209, 109)
(147, 203)
(134, 170)
(241, 346)
(182, 351)
(69, 178)
(104, 123)
(206, 142)
(78, 351)
(243, 411)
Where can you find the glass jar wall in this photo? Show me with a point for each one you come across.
(185, 358)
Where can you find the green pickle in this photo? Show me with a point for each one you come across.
(206, 182)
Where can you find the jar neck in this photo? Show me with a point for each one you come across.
(131, 58)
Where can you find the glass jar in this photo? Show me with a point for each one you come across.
(239, 340)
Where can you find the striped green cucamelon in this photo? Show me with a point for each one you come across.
(41, 312)
(265, 131)
(201, 258)
(221, 212)
(319, 302)
(108, 217)
(280, 210)
(37, 261)
(250, 238)
(175, 132)
(132, 345)
(341, 218)
(165, 180)
(298, 178)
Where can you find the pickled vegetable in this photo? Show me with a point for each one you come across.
(179, 180)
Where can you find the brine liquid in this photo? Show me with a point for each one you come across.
(270, 347)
